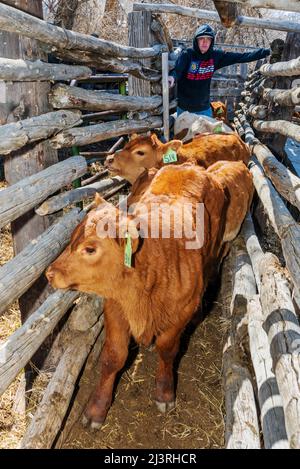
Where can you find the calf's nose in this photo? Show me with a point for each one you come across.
(49, 274)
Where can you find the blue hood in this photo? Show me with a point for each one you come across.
(204, 30)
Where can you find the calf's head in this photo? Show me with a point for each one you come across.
(138, 154)
(94, 259)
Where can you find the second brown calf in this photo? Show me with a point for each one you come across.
(142, 153)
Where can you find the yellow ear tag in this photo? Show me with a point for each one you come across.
(218, 129)
(170, 156)
(128, 251)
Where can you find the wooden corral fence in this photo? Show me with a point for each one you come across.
(264, 307)
(257, 293)
(42, 111)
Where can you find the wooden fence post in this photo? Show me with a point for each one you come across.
(140, 35)
(165, 89)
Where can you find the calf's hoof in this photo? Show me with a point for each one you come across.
(165, 407)
(89, 423)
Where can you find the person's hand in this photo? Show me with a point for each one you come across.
(171, 81)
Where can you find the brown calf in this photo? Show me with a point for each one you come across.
(158, 295)
(142, 153)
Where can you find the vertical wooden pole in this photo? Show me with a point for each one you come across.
(75, 152)
(140, 35)
(22, 100)
(244, 70)
(165, 91)
(77, 182)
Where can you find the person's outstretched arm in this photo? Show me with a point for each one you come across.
(223, 59)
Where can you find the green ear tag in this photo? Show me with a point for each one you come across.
(218, 129)
(128, 251)
(170, 156)
(220, 111)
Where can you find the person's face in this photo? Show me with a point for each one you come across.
(204, 44)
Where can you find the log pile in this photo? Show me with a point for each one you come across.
(17, 21)
(260, 103)
(77, 47)
(283, 331)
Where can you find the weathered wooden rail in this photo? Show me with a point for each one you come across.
(71, 97)
(18, 134)
(19, 198)
(19, 273)
(26, 70)
(17, 21)
(241, 21)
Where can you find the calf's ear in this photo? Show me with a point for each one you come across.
(133, 136)
(173, 144)
(98, 200)
(155, 141)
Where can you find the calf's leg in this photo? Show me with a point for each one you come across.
(112, 360)
(167, 346)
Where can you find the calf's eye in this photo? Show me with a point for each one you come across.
(141, 153)
(89, 250)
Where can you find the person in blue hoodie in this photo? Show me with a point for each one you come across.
(195, 67)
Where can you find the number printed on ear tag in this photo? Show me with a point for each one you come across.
(128, 251)
(218, 129)
(170, 156)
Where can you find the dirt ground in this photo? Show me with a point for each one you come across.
(196, 422)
